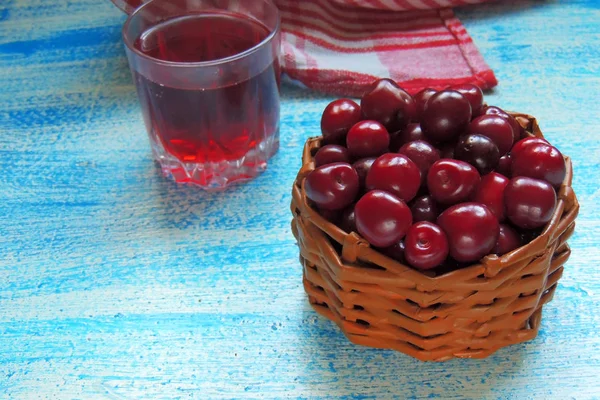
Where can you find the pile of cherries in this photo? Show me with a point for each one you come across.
(435, 180)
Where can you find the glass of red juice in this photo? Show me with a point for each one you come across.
(207, 76)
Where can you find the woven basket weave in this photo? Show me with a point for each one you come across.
(466, 313)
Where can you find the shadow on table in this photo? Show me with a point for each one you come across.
(498, 9)
(335, 367)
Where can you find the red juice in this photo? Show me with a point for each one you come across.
(232, 124)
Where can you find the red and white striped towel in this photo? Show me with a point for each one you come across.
(342, 46)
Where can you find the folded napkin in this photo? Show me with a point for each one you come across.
(341, 46)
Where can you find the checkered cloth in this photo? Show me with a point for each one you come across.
(342, 46)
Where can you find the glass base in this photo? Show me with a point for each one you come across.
(215, 176)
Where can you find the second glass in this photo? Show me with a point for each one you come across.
(207, 76)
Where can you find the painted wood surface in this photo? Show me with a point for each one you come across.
(117, 284)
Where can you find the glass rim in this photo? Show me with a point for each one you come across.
(196, 64)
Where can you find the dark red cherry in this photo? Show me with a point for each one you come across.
(426, 245)
(382, 218)
(490, 192)
(421, 99)
(332, 186)
(473, 93)
(496, 128)
(389, 104)
(330, 154)
(396, 174)
(347, 221)
(424, 208)
(446, 115)
(452, 181)
(523, 143)
(529, 202)
(472, 231)
(508, 240)
(367, 139)
(395, 252)
(422, 154)
(337, 119)
(362, 167)
(479, 151)
(504, 165)
(409, 134)
(447, 150)
(332, 216)
(540, 161)
(517, 128)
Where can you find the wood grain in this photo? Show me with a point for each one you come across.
(115, 283)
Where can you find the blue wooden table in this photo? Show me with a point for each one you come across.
(115, 283)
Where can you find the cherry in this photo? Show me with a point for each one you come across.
(382, 218)
(496, 128)
(367, 139)
(395, 252)
(504, 165)
(409, 134)
(362, 167)
(389, 104)
(424, 208)
(517, 128)
(347, 221)
(332, 216)
(447, 150)
(472, 231)
(479, 151)
(490, 192)
(422, 154)
(339, 116)
(395, 173)
(473, 93)
(540, 161)
(508, 240)
(452, 181)
(529, 202)
(523, 143)
(421, 99)
(426, 245)
(446, 115)
(330, 154)
(332, 186)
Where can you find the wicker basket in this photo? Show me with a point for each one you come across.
(466, 313)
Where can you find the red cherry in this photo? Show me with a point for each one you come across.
(422, 154)
(339, 116)
(424, 208)
(330, 154)
(332, 216)
(421, 99)
(504, 165)
(332, 186)
(508, 240)
(381, 218)
(479, 151)
(523, 143)
(540, 161)
(446, 115)
(362, 167)
(490, 192)
(395, 252)
(472, 231)
(348, 220)
(496, 128)
(409, 134)
(529, 202)
(452, 181)
(367, 139)
(395, 173)
(473, 93)
(426, 245)
(517, 128)
(389, 104)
